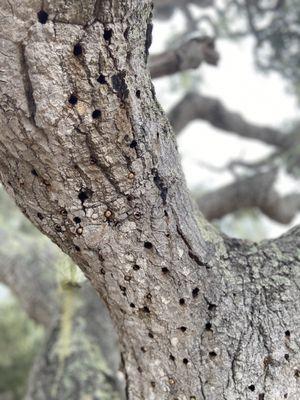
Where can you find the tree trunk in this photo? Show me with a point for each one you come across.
(90, 158)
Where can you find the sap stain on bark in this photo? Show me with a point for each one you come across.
(160, 185)
(119, 85)
(148, 41)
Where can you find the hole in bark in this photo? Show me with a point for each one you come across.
(261, 396)
(77, 220)
(185, 361)
(183, 328)
(212, 354)
(251, 387)
(146, 310)
(212, 307)
(58, 228)
(143, 349)
(150, 334)
(127, 278)
(42, 16)
(34, 173)
(166, 214)
(77, 248)
(77, 50)
(40, 216)
(181, 302)
(297, 373)
(96, 114)
(140, 370)
(148, 245)
(101, 79)
(165, 270)
(107, 34)
(208, 326)
(126, 32)
(172, 358)
(287, 357)
(102, 271)
(138, 94)
(129, 197)
(136, 267)
(285, 396)
(133, 144)
(132, 305)
(123, 290)
(195, 292)
(73, 99)
(84, 194)
(287, 334)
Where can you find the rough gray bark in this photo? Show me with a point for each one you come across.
(255, 191)
(188, 55)
(199, 316)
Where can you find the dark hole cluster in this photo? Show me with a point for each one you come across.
(73, 99)
(96, 114)
(42, 16)
(212, 307)
(77, 50)
(212, 354)
(101, 79)
(208, 326)
(77, 220)
(107, 34)
(251, 387)
(40, 216)
(133, 144)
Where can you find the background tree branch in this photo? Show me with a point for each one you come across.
(188, 55)
(255, 191)
(196, 106)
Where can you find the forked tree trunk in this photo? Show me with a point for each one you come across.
(89, 157)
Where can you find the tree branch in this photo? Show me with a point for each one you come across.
(189, 55)
(195, 106)
(255, 191)
(165, 8)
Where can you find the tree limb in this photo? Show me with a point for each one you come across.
(195, 106)
(189, 55)
(255, 191)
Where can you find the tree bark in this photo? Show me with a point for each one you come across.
(199, 316)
